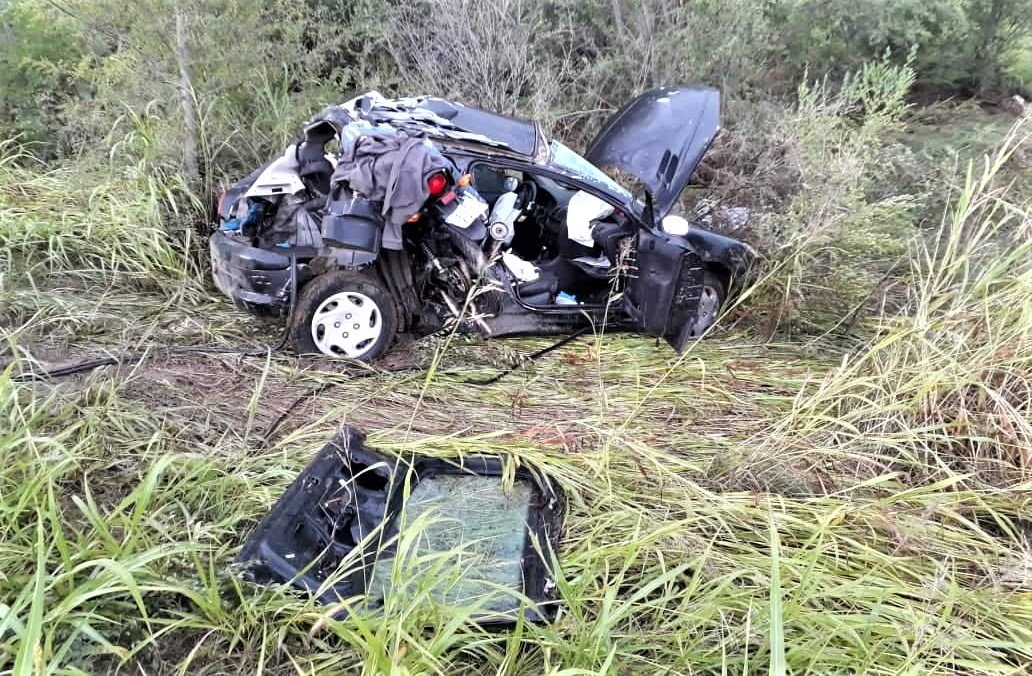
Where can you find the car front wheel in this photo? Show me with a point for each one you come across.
(711, 301)
(344, 315)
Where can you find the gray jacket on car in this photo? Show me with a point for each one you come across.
(390, 167)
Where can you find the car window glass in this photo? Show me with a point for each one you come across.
(480, 524)
(566, 159)
(491, 180)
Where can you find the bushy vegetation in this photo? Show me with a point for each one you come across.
(247, 72)
(837, 481)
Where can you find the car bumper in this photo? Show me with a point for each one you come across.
(257, 280)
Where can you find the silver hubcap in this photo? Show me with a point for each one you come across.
(708, 307)
(347, 324)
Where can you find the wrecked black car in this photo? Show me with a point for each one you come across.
(419, 214)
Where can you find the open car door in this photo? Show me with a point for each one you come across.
(662, 296)
(659, 138)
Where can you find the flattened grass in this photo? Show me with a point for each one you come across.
(748, 507)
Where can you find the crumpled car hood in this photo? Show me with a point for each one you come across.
(659, 138)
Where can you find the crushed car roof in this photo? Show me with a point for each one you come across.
(438, 118)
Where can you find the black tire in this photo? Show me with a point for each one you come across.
(314, 329)
(714, 293)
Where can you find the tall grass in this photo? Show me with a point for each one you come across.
(749, 507)
(945, 387)
(834, 220)
(101, 223)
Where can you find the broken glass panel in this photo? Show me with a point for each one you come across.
(467, 533)
(478, 525)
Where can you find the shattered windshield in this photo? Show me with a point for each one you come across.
(563, 157)
(464, 541)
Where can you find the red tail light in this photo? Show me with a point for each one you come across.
(437, 184)
(218, 205)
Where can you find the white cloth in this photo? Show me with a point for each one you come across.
(581, 213)
(521, 269)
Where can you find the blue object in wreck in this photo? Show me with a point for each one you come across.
(235, 224)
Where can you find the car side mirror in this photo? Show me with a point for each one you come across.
(675, 225)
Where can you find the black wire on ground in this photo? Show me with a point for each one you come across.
(92, 364)
(529, 358)
(325, 387)
(314, 392)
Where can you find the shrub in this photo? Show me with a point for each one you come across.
(484, 54)
(572, 62)
(832, 243)
(39, 50)
(943, 391)
(959, 43)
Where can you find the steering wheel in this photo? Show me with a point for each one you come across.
(526, 193)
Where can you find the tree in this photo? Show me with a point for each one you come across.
(40, 48)
(999, 25)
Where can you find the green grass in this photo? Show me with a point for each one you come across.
(748, 507)
(1020, 66)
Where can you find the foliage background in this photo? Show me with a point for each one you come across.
(837, 481)
(72, 67)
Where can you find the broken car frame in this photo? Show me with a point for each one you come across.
(411, 215)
